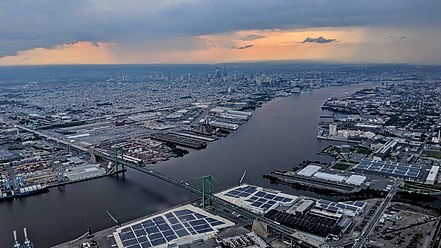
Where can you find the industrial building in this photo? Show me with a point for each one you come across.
(431, 178)
(356, 180)
(309, 170)
(224, 125)
(333, 129)
(313, 171)
(311, 223)
(347, 208)
(176, 227)
(389, 169)
(317, 217)
(329, 177)
(257, 199)
(82, 172)
(382, 152)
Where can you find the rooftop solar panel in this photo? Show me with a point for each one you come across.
(155, 236)
(269, 196)
(256, 204)
(145, 245)
(251, 189)
(260, 194)
(142, 239)
(129, 242)
(158, 220)
(152, 229)
(197, 222)
(182, 212)
(390, 168)
(158, 242)
(333, 209)
(173, 221)
(244, 194)
(266, 206)
(139, 233)
(182, 233)
(127, 235)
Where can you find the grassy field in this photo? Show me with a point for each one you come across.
(363, 150)
(431, 154)
(341, 166)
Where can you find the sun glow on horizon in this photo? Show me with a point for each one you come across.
(334, 44)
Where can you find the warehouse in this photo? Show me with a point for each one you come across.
(309, 170)
(432, 175)
(390, 169)
(329, 177)
(356, 180)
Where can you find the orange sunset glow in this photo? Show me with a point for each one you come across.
(191, 31)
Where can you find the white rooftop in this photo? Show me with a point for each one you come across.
(309, 170)
(432, 174)
(356, 180)
(329, 177)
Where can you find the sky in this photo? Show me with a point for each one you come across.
(39, 32)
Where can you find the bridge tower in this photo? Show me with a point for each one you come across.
(119, 152)
(207, 188)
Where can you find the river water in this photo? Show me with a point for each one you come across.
(280, 135)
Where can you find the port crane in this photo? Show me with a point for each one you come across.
(206, 196)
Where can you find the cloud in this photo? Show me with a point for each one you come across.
(28, 24)
(81, 52)
(244, 47)
(252, 37)
(392, 37)
(320, 40)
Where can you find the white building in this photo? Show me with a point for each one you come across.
(309, 170)
(432, 175)
(356, 180)
(333, 129)
(329, 177)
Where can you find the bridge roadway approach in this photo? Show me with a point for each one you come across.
(273, 225)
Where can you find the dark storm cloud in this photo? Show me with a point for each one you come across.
(26, 24)
(244, 47)
(320, 39)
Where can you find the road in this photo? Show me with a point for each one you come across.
(275, 226)
(375, 218)
(57, 140)
(435, 241)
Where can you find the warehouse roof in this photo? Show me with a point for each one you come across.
(309, 170)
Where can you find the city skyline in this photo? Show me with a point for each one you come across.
(113, 32)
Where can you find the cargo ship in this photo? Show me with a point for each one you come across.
(23, 191)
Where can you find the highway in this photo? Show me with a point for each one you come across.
(57, 140)
(273, 225)
(375, 218)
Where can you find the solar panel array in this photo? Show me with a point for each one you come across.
(338, 207)
(163, 229)
(390, 168)
(258, 198)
